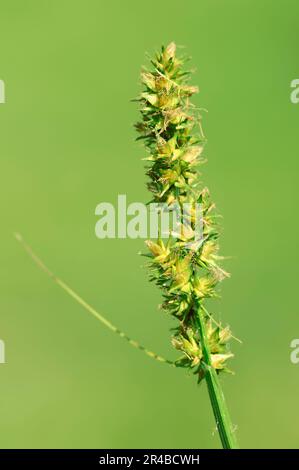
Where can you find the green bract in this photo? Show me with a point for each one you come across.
(185, 267)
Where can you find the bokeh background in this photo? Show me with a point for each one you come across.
(67, 143)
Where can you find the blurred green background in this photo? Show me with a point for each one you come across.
(67, 143)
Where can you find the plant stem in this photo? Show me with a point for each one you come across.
(86, 306)
(220, 410)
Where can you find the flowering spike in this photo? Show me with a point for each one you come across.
(186, 269)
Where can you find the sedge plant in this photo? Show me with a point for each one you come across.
(185, 266)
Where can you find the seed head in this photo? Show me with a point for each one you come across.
(185, 268)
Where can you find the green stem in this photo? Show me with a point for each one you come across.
(85, 305)
(220, 410)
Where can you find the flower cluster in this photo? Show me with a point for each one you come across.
(185, 267)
